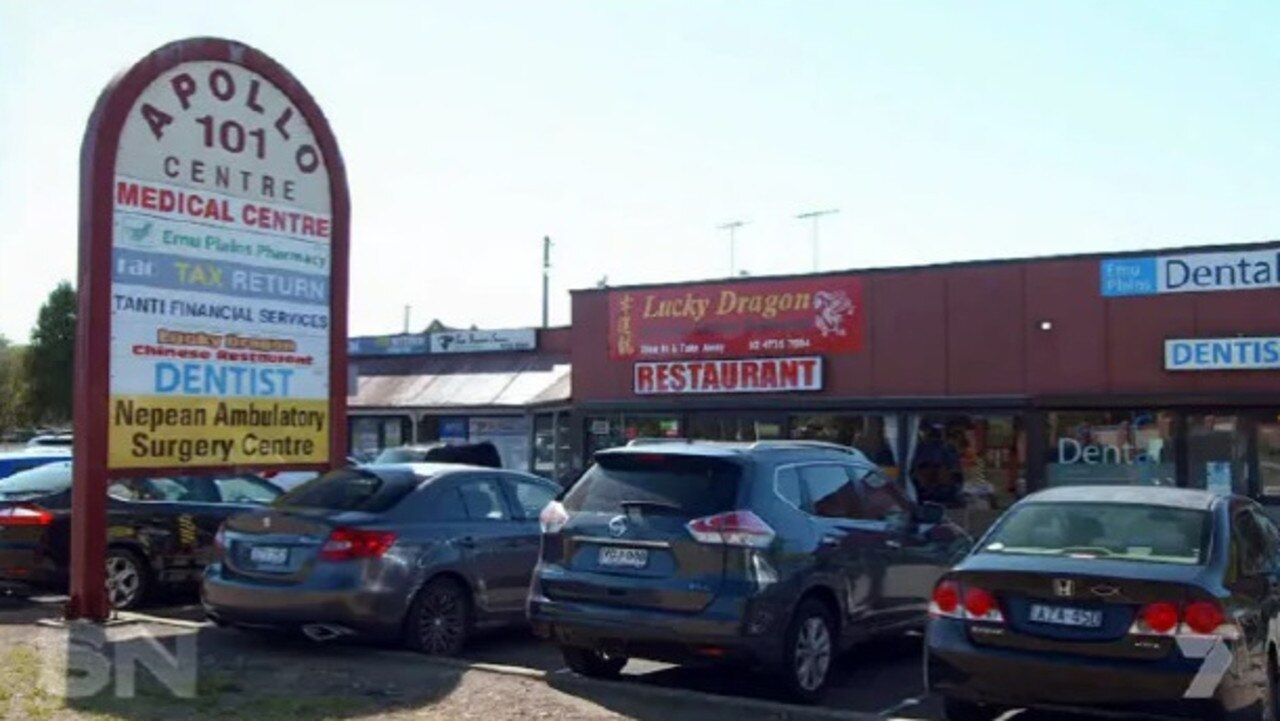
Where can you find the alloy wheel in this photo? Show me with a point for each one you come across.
(812, 654)
(124, 581)
(442, 622)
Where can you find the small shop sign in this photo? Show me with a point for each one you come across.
(1221, 354)
(748, 375)
(1191, 273)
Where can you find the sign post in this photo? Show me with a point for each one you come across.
(214, 224)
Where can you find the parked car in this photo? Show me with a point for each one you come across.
(1159, 601)
(51, 440)
(775, 554)
(473, 454)
(160, 531)
(414, 553)
(27, 458)
(288, 480)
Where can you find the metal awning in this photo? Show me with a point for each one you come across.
(507, 381)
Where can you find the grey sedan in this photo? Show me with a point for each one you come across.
(419, 553)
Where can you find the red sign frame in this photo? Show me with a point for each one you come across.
(98, 156)
(739, 319)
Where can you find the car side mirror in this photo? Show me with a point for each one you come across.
(931, 513)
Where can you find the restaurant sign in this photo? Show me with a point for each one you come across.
(752, 318)
(749, 375)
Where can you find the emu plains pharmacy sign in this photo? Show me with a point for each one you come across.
(1193, 273)
(213, 275)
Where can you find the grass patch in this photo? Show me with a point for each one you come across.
(22, 696)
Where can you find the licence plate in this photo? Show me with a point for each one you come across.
(624, 557)
(1060, 616)
(269, 555)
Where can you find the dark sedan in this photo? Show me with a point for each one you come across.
(1156, 602)
(159, 530)
(416, 553)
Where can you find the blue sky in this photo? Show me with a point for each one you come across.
(628, 131)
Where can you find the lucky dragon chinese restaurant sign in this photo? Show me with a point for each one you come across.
(752, 318)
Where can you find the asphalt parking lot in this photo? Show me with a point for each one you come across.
(880, 679)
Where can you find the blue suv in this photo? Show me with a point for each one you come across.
(777, 555)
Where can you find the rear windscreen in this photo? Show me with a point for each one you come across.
(36, 482)
(351, 490)
(688, 486)
(1120, 531)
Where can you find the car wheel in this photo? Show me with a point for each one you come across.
(592, 663)
(126, 579)
(954, 709)
(810, 651)
(440, 619)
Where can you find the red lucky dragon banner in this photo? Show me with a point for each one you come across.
(752, 318)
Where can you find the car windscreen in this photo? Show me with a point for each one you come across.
(46, 480)
(351, 489)
(681, 485)
(1115, 531)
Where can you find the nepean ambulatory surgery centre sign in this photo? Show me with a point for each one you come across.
(220, 287)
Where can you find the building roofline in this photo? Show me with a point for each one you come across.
(954, 265)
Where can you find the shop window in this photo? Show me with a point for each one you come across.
(1111, 448)
(874, 435)
(1268, 431)
(428, 429)
(617, 430)
(552, 449)
(727, 427)
(1217, 453)
(968, 461)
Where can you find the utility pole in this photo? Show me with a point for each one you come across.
(546, 281)
(815, 215)
(732, 227)
(408, 310)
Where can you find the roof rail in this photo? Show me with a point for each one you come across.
(800, 443)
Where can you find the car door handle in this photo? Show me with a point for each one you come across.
(831, 541)
(892, 543)
(467, 542)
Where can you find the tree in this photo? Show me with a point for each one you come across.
(15, 403)
(50, 360)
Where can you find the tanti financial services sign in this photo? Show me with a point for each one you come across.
(1203, 272)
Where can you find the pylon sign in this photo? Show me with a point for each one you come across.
(214, 223)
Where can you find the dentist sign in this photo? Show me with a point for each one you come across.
(1190, 273)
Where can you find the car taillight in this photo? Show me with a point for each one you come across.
(954, 600)
(220, 541)
(25, 515)
(980, 605)
(1203, 617)
(1158, 618)
(735, 528)
(348, 544)
(553, 517)
(946, 600)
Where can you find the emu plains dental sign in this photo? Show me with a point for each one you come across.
(213, 281)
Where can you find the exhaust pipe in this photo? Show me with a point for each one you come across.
(322, 632)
